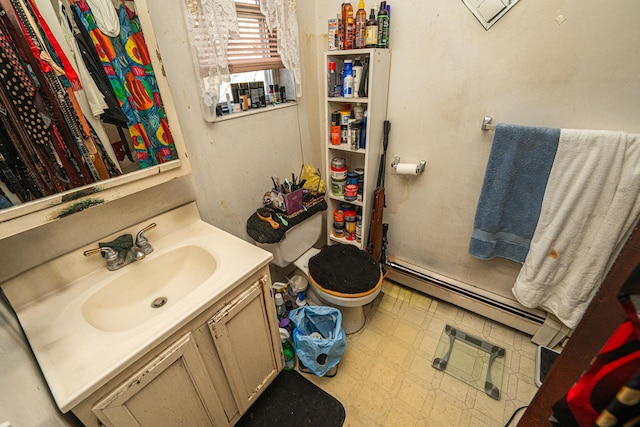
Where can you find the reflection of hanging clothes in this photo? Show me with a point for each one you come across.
(113, 114)
(127, 64)
(53, 147)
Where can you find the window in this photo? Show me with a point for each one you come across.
(256, 49)
(248, 51)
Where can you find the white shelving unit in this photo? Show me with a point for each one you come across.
(367, 158)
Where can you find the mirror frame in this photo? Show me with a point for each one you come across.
(35, 213)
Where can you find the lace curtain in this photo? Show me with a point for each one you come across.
(210, 24)
(281, 14)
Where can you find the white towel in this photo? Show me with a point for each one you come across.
(590, 205)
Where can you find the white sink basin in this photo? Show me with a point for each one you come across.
(143, 289)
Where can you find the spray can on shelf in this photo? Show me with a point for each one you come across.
(332, 80)
(335, 128)
(383, 25)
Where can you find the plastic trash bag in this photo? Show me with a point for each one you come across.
(313, 179)
(318, 337)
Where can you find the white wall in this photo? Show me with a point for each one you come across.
(447, 73)
(232, 160)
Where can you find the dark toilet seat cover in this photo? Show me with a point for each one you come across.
(345, 269)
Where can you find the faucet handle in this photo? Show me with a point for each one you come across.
(109, 253)
(141, 240)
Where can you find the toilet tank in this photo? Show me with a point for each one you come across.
(297, 240)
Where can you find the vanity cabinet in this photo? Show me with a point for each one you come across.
(366, 158)
(207, 373)
(242, 334)
(171, 390)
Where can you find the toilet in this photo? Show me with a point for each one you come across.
(296, 249)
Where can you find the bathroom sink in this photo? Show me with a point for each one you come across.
(142, 290)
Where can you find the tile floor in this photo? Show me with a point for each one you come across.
(385, 377)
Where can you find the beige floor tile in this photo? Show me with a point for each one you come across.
(370, 400)
(414, 394)
(490, 407)
(398, 418)
(422, 371)
(406, 332)
(396, 352)
(386, 378)
(502, 335)
(415, 315)
(381, 321)
(445, 412)
(472, 323)
(420, 300)
(454, 388)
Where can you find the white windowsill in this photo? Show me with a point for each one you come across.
(253, 111)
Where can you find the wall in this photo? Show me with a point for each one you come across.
(232, 160)
(447, 73)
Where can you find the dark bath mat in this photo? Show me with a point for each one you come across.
(292, 401)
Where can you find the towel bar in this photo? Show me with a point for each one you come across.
(486, 123)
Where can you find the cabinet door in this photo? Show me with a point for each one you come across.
(172, 390)
(244, 338)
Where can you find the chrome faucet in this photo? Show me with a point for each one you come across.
(141, 240)
(122, 251)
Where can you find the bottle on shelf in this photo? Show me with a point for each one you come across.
(357, 77)
(388, 24)
(371, 31)
(347, 79)
(383, 25)
(332, 80)
(348, 25)
(360, 28)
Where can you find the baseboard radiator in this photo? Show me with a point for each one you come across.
(482, 303)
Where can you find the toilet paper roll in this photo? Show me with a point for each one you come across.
(407, 169)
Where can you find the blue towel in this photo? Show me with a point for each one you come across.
(514, 184)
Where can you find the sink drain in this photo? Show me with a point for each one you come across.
(159, 302)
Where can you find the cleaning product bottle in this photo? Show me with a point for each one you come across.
(348, 25)
(288, 350)
(357, 76)
(383, 25)
(371, 31)
(279, 305)
(361, 24)
(347, 79)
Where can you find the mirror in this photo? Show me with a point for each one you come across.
(56, 149)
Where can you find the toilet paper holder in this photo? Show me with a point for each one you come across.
(419, 166)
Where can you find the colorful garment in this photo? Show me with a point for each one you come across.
(127, 64)
(608, 393)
